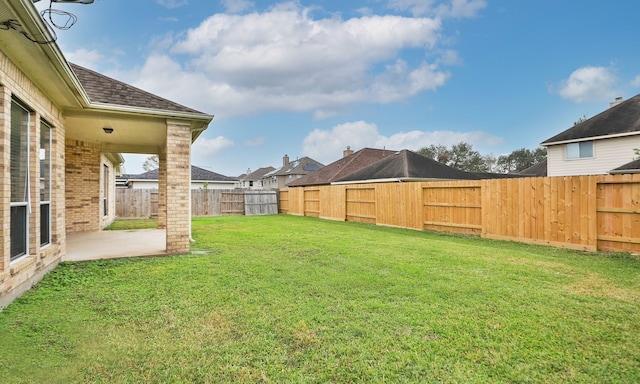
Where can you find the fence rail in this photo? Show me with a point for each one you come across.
(143, 203)
(579, 212)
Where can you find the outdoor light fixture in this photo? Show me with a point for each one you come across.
(107, 129)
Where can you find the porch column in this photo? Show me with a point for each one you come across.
(162, 190)
(178, 187)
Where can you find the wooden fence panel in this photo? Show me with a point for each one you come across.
(333, 202)
(618, 213)
(452, 207)
(361, 203)
(260, 203)
(311, 201)
(206, 202)
(232, 203)
(136, 203)
(398, 205)
(284, 201)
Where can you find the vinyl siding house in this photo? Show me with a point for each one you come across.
(62, 130)
(254, 180)
(290, 171)
(597, 145)
(200, 179)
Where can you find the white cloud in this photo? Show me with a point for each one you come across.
(327, 145)
(284, 60)
(255, 142)
(85, 58)
(172, 3)
(636, 81)
(237, 6)
(203, 149)
(589, 84)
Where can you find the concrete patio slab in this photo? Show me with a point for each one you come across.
(115, 244)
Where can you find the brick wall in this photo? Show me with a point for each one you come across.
(178, 175)
(83, 171)
(21, 274)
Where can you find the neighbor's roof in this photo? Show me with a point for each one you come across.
(622, 119)
(103, 89)
(258, 174)
(538, 169)
(631, 167)
(407, 165)
(342, 167)
(197, 174)
(301, 166)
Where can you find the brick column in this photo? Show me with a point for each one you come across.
(162, 191)
(5, 183)
(178, 175)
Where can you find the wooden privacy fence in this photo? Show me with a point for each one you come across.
(143, 203)
(579, 212)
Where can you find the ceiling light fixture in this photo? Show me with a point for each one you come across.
(107, 130)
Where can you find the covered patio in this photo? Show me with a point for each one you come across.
(84, 246)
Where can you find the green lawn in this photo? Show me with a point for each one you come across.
(300, 300)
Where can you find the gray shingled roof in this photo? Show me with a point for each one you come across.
(197, 174)
(301, 166)
(631, 167)
(103, 89)
(620, 119)
(538, 169)
(342, 167)
(258, 174)
(407, 165)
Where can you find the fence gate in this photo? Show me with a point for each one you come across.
(260, 203)
(232, 203)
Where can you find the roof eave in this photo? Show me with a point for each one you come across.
(592, 138)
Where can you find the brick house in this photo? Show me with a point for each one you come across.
(62, 130)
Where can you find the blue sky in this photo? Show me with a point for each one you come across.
(311, 77)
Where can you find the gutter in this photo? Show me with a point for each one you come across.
(592, 138)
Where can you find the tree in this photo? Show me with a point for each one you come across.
(461, 156)
(438, 153)
(152, 162)
(520, 159)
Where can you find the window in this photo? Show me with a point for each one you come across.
(105, 189)
(45, 183)
(580, 150)
(19, 169)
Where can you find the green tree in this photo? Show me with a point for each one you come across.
(520, 159)
(461, 156)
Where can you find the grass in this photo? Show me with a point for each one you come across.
(133, 224)
(296, 299)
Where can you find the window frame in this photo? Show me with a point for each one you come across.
(26, 204)
(578, 149)
(46, 183)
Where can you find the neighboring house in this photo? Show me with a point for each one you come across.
(405, 166)
(200, 179)
(290, 171)
(536, 170)
(630, 167)
(253, 180)
(597, 145)
(350, 162)
(62, 130)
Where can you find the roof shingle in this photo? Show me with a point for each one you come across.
(103, 89)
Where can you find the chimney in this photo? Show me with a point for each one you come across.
(347, 152)
(248, 171)
(615, 102)
(285, 161)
